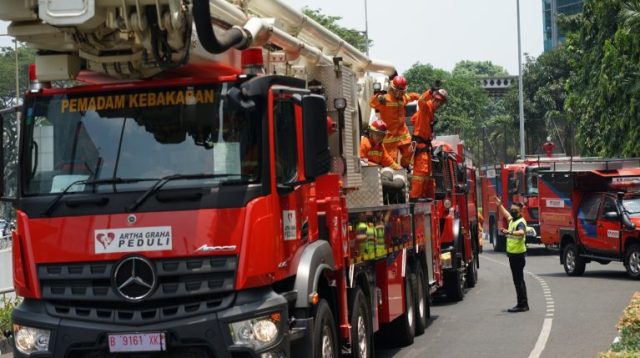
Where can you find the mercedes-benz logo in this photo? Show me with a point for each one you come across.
(134, 278)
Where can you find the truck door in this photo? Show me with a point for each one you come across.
(296, 204)
(587, 219)
(609, 227)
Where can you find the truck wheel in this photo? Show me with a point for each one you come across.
(493, 235)
(361, 335)
(423, 309)
(325, 339)
(403, 329)
(472, 273)
(632, 261)
(454, 285)
(574, 265)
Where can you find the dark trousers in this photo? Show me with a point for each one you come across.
(517, 262)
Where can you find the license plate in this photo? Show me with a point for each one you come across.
(137, 342)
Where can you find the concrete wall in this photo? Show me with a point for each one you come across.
(6, 272)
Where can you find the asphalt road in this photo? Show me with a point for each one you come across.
(569, 316)
(577, 315)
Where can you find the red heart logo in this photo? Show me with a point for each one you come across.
(105, 239)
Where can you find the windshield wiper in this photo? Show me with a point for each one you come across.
(56, 200)
(164, 180)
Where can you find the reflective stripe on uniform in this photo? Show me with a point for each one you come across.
(397, 138)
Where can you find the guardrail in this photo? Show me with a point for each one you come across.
(6, 291)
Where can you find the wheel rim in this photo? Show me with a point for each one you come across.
(634, 262)
(327, 342)
(421, 306)
(570, 260)
(362, 337)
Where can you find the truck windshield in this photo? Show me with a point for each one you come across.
(632, 207)
(532, 181)
(144, 133)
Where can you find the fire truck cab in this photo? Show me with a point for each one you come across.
(592, 209)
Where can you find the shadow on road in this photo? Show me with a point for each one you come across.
(384, 344)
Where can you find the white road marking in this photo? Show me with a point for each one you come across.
(541, 343)
(542, 339)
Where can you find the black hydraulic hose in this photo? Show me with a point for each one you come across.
(206, 34)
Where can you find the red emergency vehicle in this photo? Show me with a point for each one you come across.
(517, 182)
(512, 183)
(197, 207)
(592, 209)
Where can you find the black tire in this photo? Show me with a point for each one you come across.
(574, 265)
(403, 329)
(423, 308)
(499, 241)
(454, 285)
(472, 273)
(325, 338)
(361, 330)
(632, 261)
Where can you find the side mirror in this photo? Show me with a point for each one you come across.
(317, 158)
(611, 215)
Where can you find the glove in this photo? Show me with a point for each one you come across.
(436, 85)
(381, 99)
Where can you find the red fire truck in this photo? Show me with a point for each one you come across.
(516, 182)
(592, 209)
(512, 183)
(178, 201)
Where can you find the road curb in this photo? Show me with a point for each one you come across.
(6, 346)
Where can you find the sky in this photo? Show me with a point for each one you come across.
(440, 33)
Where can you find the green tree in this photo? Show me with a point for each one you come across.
(8, 99)
(352, 36)
(544, 84)
(478, 69)
(604, 96)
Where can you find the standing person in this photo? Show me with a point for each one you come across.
(391, 109)
(422, 184)
(371, 146)
(516, 250)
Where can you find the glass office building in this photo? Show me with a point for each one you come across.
(552, 34)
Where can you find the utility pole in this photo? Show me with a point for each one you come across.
(520, 88)
(366, 27)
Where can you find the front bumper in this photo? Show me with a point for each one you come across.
(204, 335)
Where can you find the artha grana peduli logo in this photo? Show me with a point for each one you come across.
(156, 238)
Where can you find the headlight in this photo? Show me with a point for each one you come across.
(257, 332)
(445, 260)
(447, 204)
(29, 340)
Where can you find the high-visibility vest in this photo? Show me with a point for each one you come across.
(516, 244)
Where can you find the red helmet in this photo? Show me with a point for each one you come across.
(399, 83)
(441, 94)
(378, 126)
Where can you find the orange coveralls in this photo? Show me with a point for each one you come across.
(392, 114)
(376, 154)
(422, 183)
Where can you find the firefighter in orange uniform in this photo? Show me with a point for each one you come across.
(371, 146)
(391, 109)
(422, 183)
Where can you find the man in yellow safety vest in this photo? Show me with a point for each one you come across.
(516, 250)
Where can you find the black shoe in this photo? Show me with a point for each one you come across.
(518, 309)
